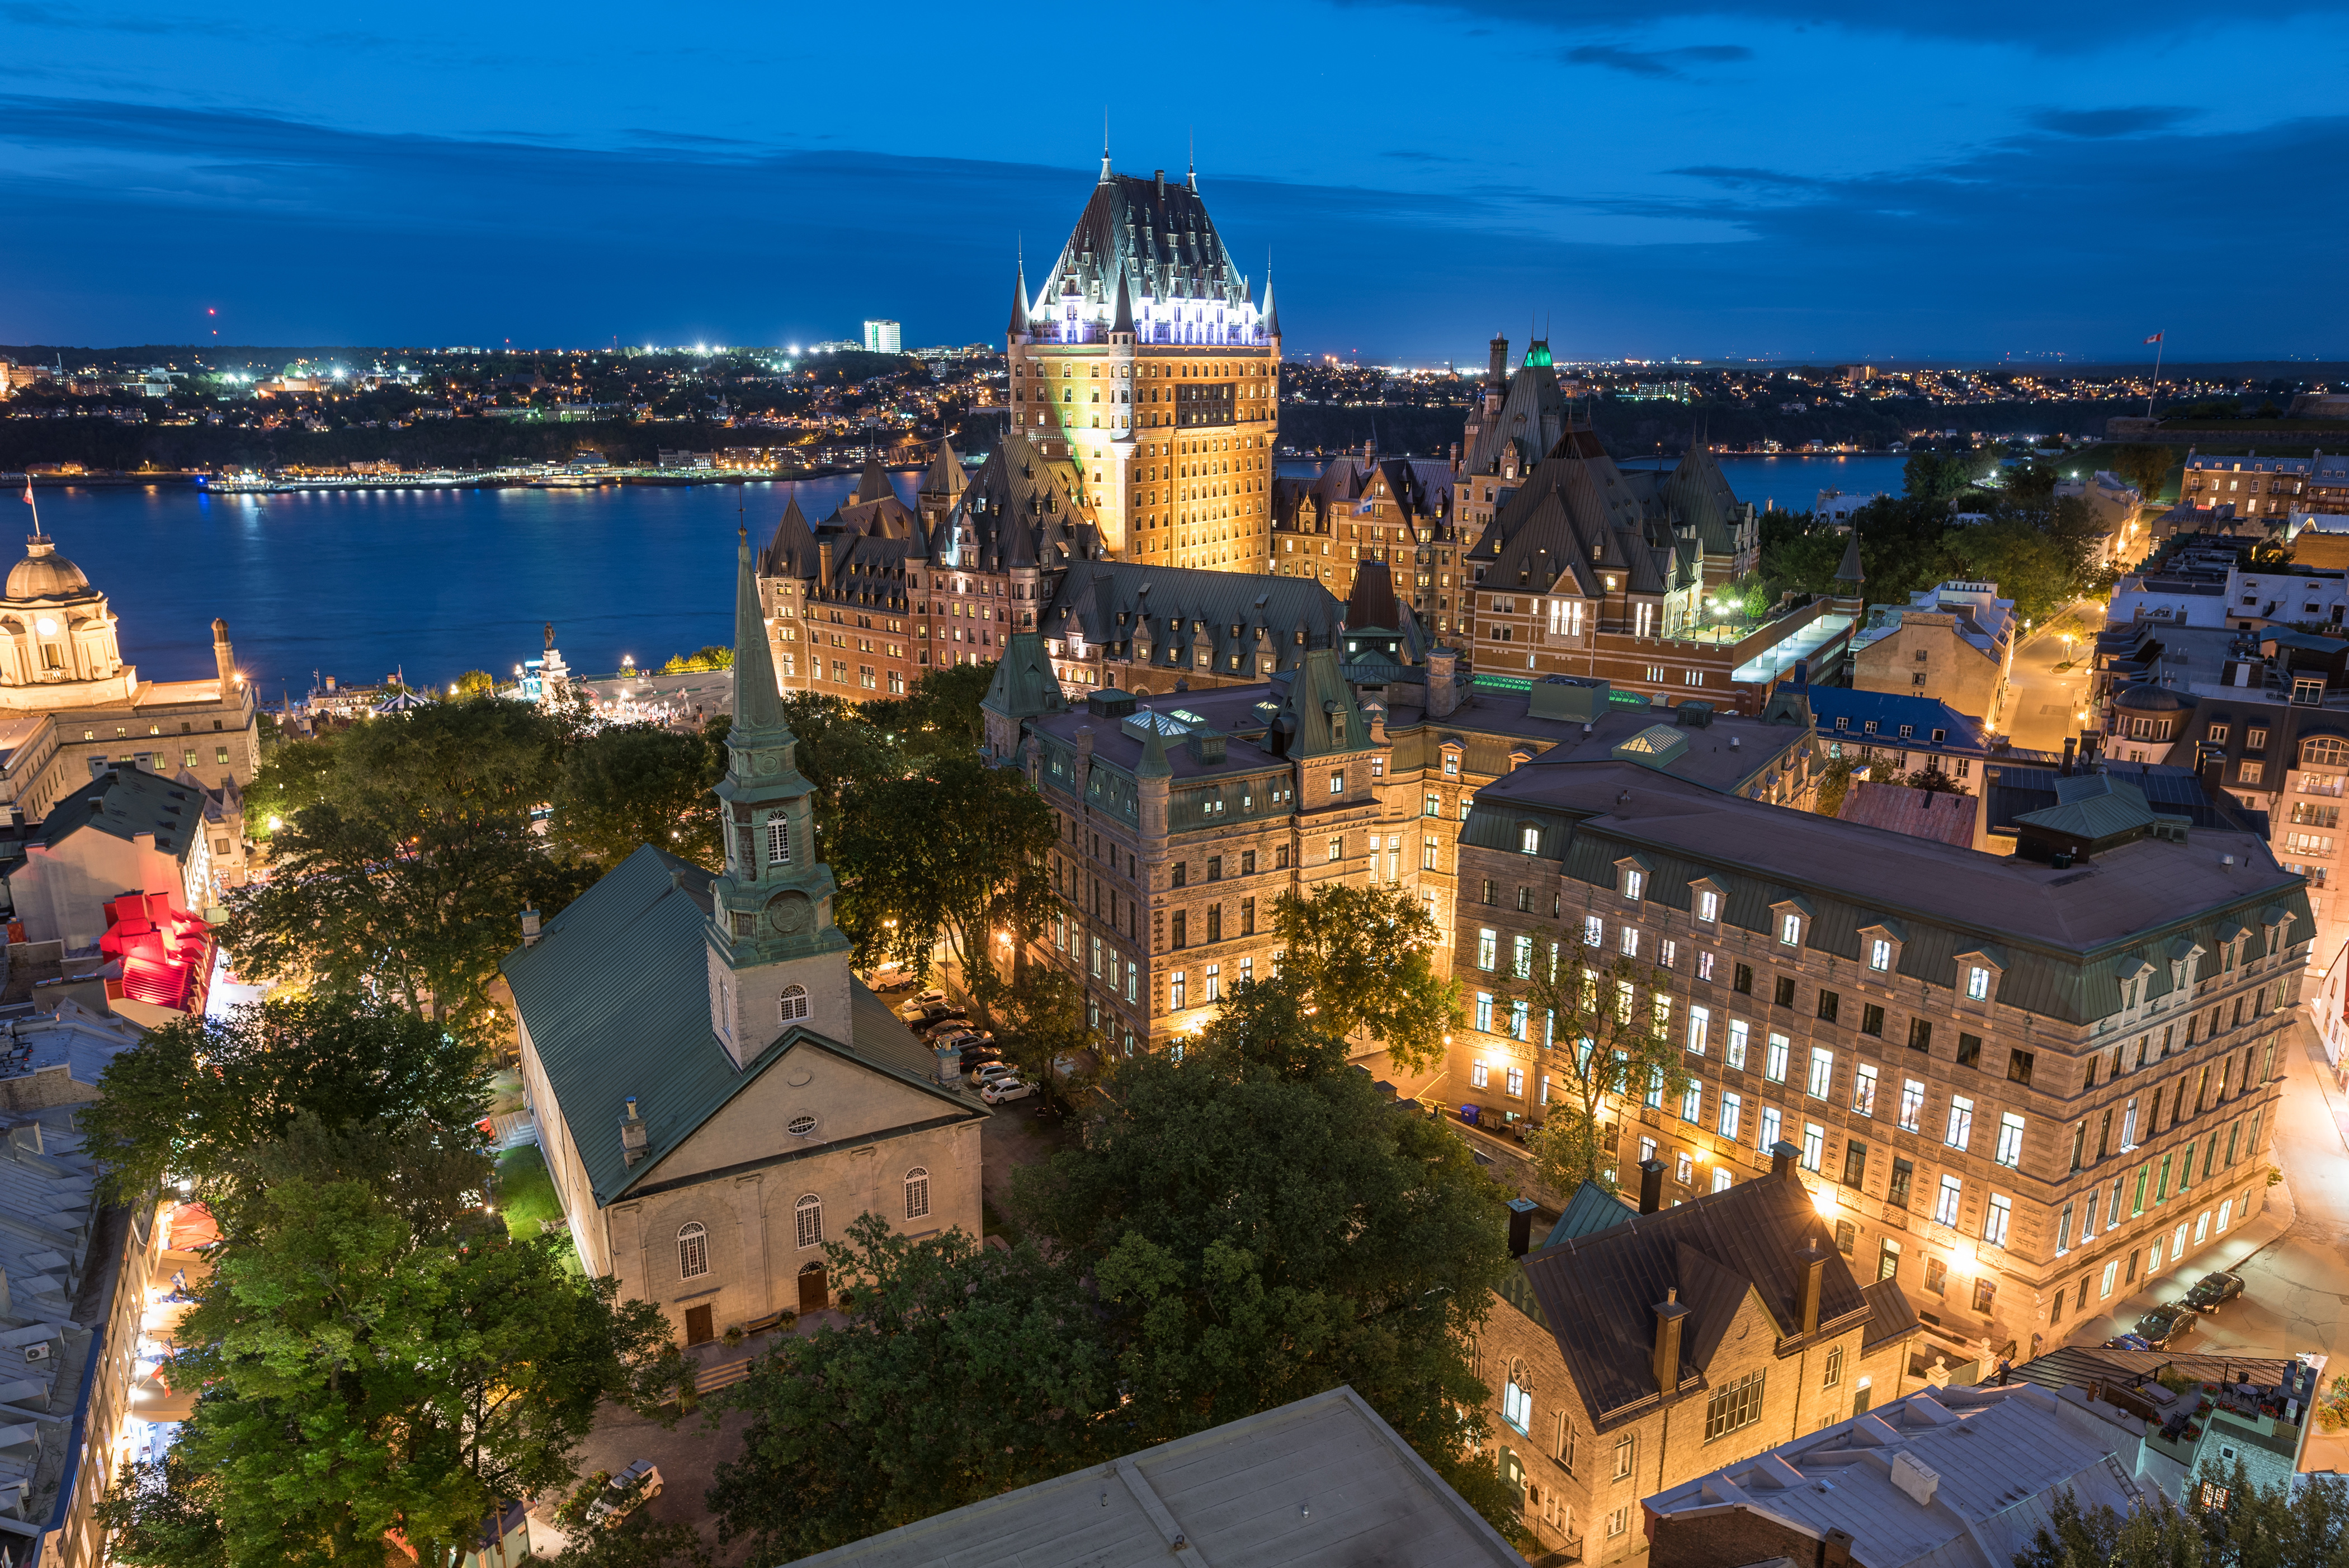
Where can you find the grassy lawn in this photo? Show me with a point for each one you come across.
(526, 1192)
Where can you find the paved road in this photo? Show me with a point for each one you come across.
(2044, 702)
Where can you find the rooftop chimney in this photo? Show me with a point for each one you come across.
(1651, 1185)
(1836, 1550)
(1521, 1226)
(632, 1134)
(2065, 771)
(1814, 1259)
(1783, 1156)
(1915, 1477)
(1669, 1313)
(530, 928)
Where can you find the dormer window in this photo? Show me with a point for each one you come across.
(1879, 954)
(1842, 723)
(1868, 729)
(1790, 931)
(1977, 983)
(1528, 839)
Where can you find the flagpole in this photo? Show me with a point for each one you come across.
(2160, 342)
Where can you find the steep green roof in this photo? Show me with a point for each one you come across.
(1024, 685)
(615, 996)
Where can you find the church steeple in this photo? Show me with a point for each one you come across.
(775, 957)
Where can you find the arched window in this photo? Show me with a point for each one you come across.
(808, 1214)
(917, 1193)
(692, 1251)
(793, 1003)
(778, 841)
(1517, 1399)
(2324, 751)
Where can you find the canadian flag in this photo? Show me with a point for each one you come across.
(28, 489)
(2157, 338)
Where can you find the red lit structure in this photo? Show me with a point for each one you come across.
(166, 957)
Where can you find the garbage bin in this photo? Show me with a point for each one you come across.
(1468, 1114)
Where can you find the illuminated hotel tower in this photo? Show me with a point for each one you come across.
(1144, 353)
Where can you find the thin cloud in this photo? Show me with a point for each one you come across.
(2104, 122)
(1656, 64)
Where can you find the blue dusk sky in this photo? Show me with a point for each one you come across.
(1722, 177)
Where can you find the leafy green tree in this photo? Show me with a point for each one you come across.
(700, 659)
(1605, 1021)
(1040, 1024)
(954, 852)
(198, 1098)
(1932, 779)
(1264, 1225)
(360, 1378)
(838, 747)
(1365, 956)
(2225, 1522)
(962, 1372)
(632, 1540)
(640, 784)
(402, 880)
(294, 773)
(477, 682)
(2030, 566)
(940, 715)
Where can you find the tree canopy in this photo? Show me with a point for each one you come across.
(1603, 1022)
(2226, 1522)
(1365, 957)
(409, 851)
(640, 784)
(954, 851)
(1244, 1223)
(199, 1098)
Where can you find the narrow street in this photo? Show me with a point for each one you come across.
(2050, 678)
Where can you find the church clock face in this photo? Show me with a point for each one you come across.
(791, 914)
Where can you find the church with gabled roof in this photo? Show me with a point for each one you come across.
(717, 1094)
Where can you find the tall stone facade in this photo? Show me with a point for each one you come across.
(1144, 360)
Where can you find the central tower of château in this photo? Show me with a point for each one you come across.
(1145, 358)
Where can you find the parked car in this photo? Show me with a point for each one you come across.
(626, 1491)
(944, 1029)
(976, 1056)
(2212, 1289)
(2127, 1342)
(929, 994)
(1005, 1089)
(887, 985)
(2158, 1327)
(986, 1073)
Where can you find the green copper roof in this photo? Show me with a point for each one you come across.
(1024, 685)
(1537, 354)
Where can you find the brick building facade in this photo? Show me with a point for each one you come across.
(1633, 1350)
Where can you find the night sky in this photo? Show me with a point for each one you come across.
(1829, 180)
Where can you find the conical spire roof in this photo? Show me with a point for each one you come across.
(1124, 321)
(758, 700)
(1019, 298)
(1271, 312)
(1849, 571)
(945, 476)
(1154, 763)
(874, 483)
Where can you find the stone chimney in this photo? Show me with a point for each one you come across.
(530, 928)
(632, 1134)
(1836, 1550)
(1813, 1258)
(1784, 1156)
(1651, 1185)
(1521, 1226)
(1917, 1479)
(1669, 1313)
(1442, 682)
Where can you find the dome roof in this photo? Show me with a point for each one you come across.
(45, 574)
(2145, 699)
